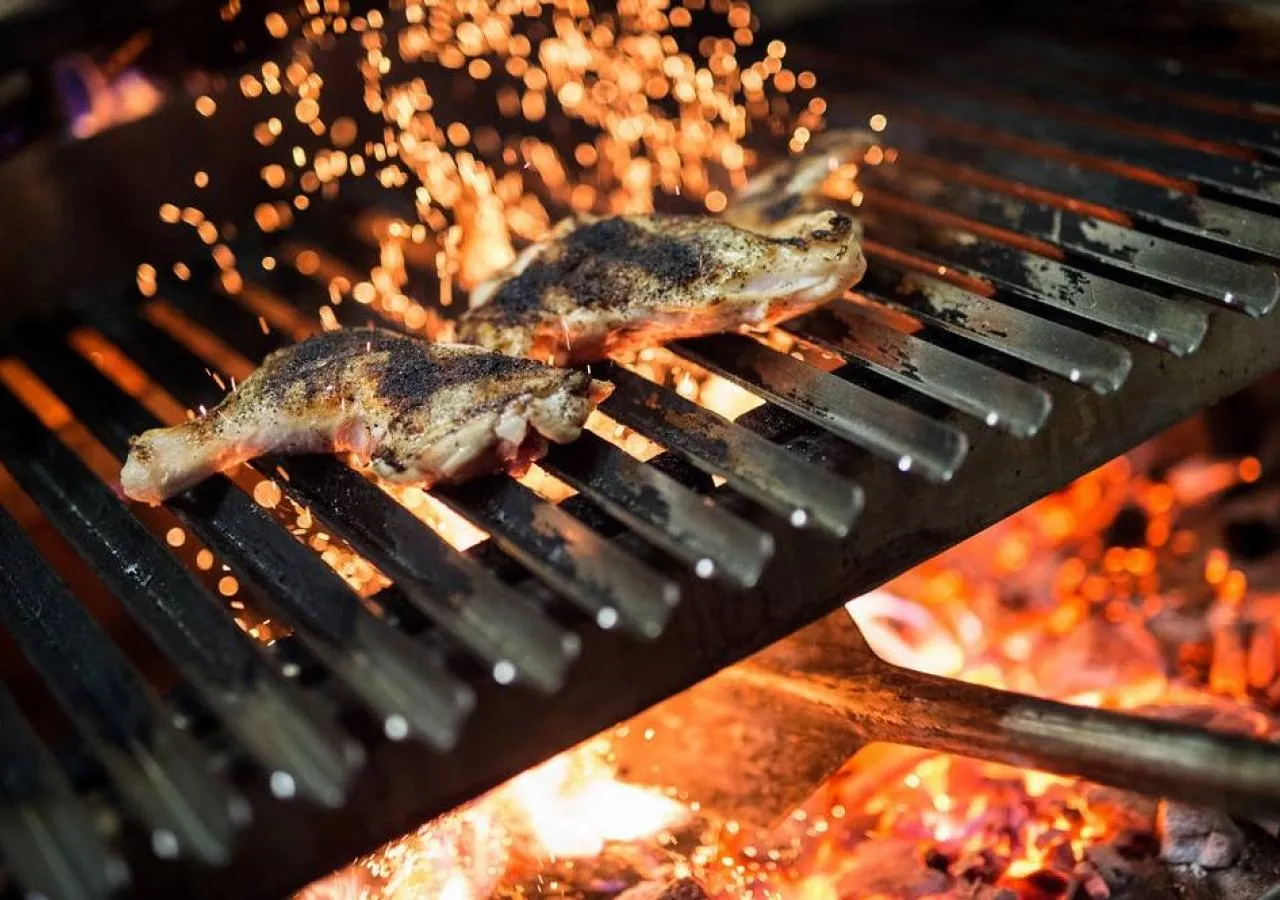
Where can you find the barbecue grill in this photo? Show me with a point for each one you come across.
(1073, 244)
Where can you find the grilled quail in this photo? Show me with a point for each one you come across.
(600, 285)
(414, 412)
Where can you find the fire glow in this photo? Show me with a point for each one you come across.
(569, 808)
(1075, 598)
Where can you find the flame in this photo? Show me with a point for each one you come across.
(571, 807)
(456, 531)
(484, 243)
(462, 855)
(574, 806)
(906, 634)
(1079, 633)
(109, 99)
(456, 888)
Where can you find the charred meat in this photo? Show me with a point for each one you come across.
(414, 412)
(596, 286)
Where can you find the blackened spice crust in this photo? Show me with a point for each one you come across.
(599, 286)
(601, 265)
(412, 371)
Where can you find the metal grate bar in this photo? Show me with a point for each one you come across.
(1252, 180)
(1252, 289)
(1065, 352)
(909, 439)
(600, 577)
(1164, 323)
(1204, 218)
(163, 774)
(484, 615)
(47, 836)
(235, 680)
(800, 492)
(666, 513)
(867, 332)
(395, 676)
(463, 598)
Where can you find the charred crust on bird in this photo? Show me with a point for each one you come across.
(308, 366)
(411, 374)
(409, 370)
(840, 228)
(417, 412)
(599, 286)
(388, 458)
(595, 262)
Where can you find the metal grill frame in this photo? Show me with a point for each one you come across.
(905, 520)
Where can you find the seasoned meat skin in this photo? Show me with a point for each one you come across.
(414, 412)
(595, 286)
(791, 189)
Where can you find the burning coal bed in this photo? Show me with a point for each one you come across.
(1150, 585)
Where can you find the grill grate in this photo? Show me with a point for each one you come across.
(1038, 243)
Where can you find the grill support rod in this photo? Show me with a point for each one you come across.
(912, 441)
(657, 506)
(824, 694)
(1219, 224)
(1178, 328)
(802, 495)
(1078, 357)
(862, 332)
(1251, 288)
